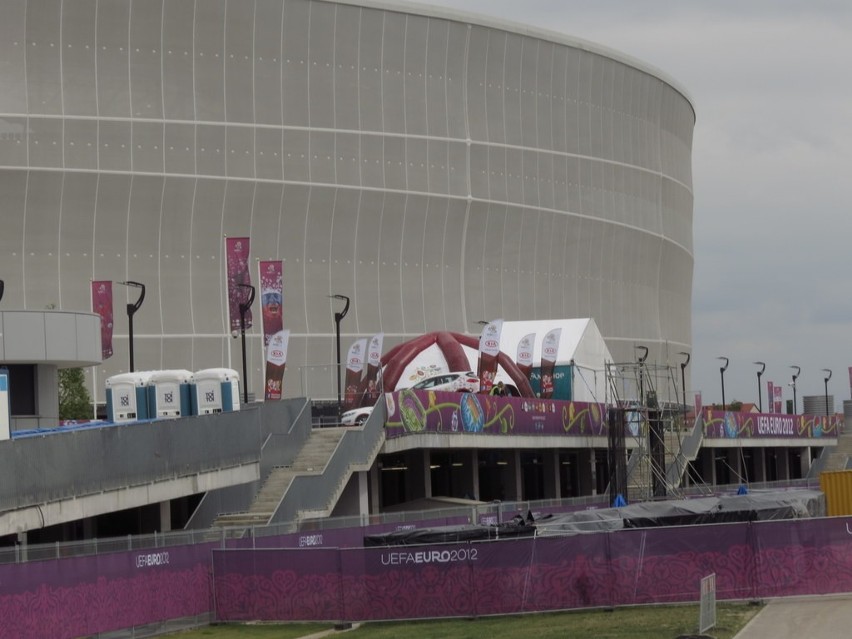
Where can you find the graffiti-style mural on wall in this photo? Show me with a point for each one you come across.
(413, 412)
(732, 425)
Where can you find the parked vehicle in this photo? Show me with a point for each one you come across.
(356, 416)
(465, 382)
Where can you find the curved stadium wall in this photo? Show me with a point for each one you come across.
(440, 169)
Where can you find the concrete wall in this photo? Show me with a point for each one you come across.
(437, 168)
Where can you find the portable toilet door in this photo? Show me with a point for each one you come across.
(168, 394)
(215, 390)
(126, 395)
(231, 391)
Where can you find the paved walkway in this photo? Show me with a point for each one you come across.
(825, 617)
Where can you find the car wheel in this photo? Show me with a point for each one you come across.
(359, 421)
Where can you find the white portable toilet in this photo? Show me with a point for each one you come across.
(126, 397)
(215, 390)
(168, 393)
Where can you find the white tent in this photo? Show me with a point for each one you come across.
(580, 343)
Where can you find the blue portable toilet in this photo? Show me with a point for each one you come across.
(215, 390)
(126, 397)
(5, 413)
(169, 394)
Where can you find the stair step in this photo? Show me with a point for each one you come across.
(311, 460)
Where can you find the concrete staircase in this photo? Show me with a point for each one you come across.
(311, 460)
(839, 457)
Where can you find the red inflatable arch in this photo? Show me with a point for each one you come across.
(452, 347)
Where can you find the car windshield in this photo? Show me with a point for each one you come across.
(431, 382)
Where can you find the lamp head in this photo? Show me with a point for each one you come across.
(341, 314)
(725, 366)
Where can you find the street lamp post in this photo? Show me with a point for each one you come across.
(244, 307)
(722, 374)
(131, 311)
(826, 370)
(338, 317)
(641, 359)
(795, 377)
(683, 365)
(2, 286)
(759, 397)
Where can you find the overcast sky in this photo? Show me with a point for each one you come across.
(771, 82)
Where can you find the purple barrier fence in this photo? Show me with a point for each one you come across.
(665, 565)
(81, 596)
(339, 537)
(806, 557)
(630, 567)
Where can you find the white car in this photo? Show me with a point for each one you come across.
(356, 416)
(466, 382)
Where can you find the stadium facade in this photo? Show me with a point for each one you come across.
(439, 169)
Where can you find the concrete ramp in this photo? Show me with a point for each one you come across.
(311, 460)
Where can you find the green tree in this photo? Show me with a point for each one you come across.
(74, 400)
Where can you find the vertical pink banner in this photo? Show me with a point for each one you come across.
(354, 369)
(237, 257)
(524, 358)
(102, 305)
(778, 400)
(770, 396)
(270, 274)
(371, 389)
(549, 353)
(489, 349)
(276, 363)
(271, 297)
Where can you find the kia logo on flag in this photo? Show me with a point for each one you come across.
(524, 355)
(550, 351)
(374, 357)
(355, 360)
(492, 343)
(277, 353)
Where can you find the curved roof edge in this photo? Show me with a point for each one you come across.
(65, 339)
(431, 11)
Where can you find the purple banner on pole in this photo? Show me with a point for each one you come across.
(731, 425)
(271, 297)
(238, 276)
(414, 412)
(102, 305)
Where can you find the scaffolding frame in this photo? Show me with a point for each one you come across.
(648, 398)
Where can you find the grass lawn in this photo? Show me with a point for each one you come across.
(663, 622)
